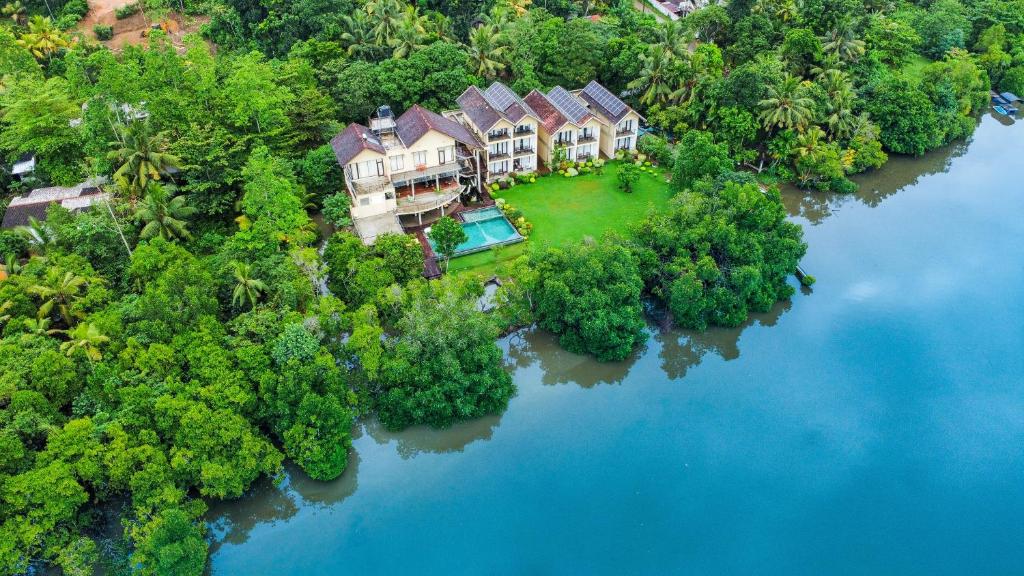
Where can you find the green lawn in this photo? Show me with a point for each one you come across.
(564, 210)
(914, 69)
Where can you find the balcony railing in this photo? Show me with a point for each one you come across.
(524, 150)
(561, 142)
(498, 155)
(588, 138)
(492, 136)
(583, 157)
(624, 131)
(524, 130)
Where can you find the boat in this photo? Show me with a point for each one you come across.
(1001, 110)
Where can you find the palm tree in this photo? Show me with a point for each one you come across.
(86, 338)
(163, 214)
(15, 11)
(248, 290)
(11, 265)
(39, 234)
(60, 290)
(844, 43)
(39, 326)
(386, 16)
(43, 39)
(410, 35)
(4, 316)
(657, 78)
(486, 52)
(786, 106)
(143, 158)
(810, 143)
(676, 38)
(357, 34)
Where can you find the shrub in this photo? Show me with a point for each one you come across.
(336, 209)
(103, 32)
(808, 280)
(655, 147)
(572, 172)
(126, 11)
(12, 243)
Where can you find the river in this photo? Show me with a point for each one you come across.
(872, 425)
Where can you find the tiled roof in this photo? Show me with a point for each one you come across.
(607, 104)
(354, 139)
(35, 203)
(550, 117)
(417, 121)
(473, 103)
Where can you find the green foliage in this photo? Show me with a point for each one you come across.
(442, 366)
(447, 234)
(589, 295)
(698, 157)
(127, 10)
(337, 209)
(103, 32)
(716, 257)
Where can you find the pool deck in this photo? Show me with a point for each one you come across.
(431, 267)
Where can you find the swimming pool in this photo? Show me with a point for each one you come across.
(485, 228)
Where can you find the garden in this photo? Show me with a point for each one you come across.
(558, 209)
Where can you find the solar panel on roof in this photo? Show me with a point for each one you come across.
(499, 96)
(606, 99)
(567, 103)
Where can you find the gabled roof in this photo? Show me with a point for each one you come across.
(354, 139)
(473, 103)
(507, 102)
(35, 203)
(550, 117)
(417, 121)
(607, 104)
(569, 106)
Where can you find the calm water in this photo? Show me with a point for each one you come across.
(872, 426)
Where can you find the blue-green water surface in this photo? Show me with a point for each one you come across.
(872, 426)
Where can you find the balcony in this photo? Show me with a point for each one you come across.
(586, 139)
(496, 136)
(497, 155)
(524, 150)
(624, 131)
(523, 130)
(584, 157)
(564, 143)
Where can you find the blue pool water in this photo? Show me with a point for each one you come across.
(485, 228)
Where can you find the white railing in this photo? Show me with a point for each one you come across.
(432, 202)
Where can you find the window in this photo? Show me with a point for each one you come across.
(367, 168)
(499, 148)
(565, 137)
(626, 126)
(419, 158)
(499, 167)
(586, 133)
(397, 163)
(446, 154)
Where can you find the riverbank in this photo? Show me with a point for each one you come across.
(876, 426)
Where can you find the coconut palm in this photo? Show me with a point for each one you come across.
(61, 290)
(357, 34)
(248, 290)
(39, 326)
(486, 52)
(410, 34)
(675, 38)
(787, 105)
(844, 43)
(658, 76)
(43, 39)
(39, 234)
(386, 16)
(143, 158)
(86, 338)
(811, 142)
(164, 215)
(15, 11)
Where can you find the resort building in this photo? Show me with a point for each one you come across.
(583, 124)
(507, 124)
(406, 167)
(35, 203)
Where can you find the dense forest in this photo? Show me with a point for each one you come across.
(178, 342)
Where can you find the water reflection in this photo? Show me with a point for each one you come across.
(874, 186)
(416, 440)
(559, 366)
(684, 349)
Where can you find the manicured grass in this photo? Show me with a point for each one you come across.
(565, 210)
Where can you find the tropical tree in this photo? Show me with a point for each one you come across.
(143, 158)
(410, 34)
(386, 16)
(844, 43)
(15, 11)
(59, 289)
(39, 234)
(85, 338)
(447, 234)
(486, 52)
(164, 215)
(43, 39)
(787, 105)
(357, 34)
(675, 38)
(248, 290)
(657, 78)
